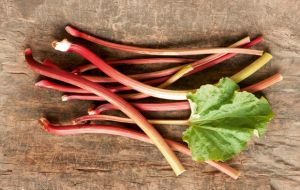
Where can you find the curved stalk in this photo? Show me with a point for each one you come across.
(238, 77)
(163, 52)
(252, 68)
(112, 130)
(197, 65)
(184, 105)
(124, 106)
(49, 63)
(66, 46)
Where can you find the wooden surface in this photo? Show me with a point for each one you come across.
(31, 159)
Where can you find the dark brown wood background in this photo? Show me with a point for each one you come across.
(32, 159)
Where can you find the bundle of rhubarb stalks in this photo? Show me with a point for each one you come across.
(223, 116)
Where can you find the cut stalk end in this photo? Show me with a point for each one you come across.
(27, 51)
(91, 110)
(72, 31)
(64, 98)
(42, 83)
(63, 45)
(252, 68)
(44, 123)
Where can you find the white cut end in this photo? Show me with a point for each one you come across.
(91, 112)
(64, 98)
(63, 45)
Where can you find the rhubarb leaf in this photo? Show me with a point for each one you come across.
(223, 120)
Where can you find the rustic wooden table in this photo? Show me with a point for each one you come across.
(32, 159)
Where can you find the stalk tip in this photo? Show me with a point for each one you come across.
(41, 83)
(27, 51)
(91, 112)
(43, 122)
(63, 45)
(268, 55)
(64, 98)
(72, 31)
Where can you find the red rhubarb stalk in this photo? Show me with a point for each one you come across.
(200, 62)
(124, 106)
(166, 72)
(129, 133)
(66, 46)
(169, 52)
(184, 105)
(173, 94)
(263, 84)
(50, 63)
(195, 67)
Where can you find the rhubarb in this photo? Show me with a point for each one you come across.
(129, 133)
(66, 46)
(125, 107)
(163, 52)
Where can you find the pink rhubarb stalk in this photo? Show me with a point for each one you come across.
(263, 84)
(112, 130)
(66, 46)
(124, 106)
(163, 52)
(184, 105)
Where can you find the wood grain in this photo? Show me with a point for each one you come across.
(32, 159)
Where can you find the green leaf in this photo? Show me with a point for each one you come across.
(223, 120)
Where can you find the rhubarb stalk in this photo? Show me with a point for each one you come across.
(66, 46)
(162, 52)
(184, 105)
(129, 133)
(125, 107)
(241, 75)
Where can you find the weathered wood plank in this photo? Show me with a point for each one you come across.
(32, 159)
